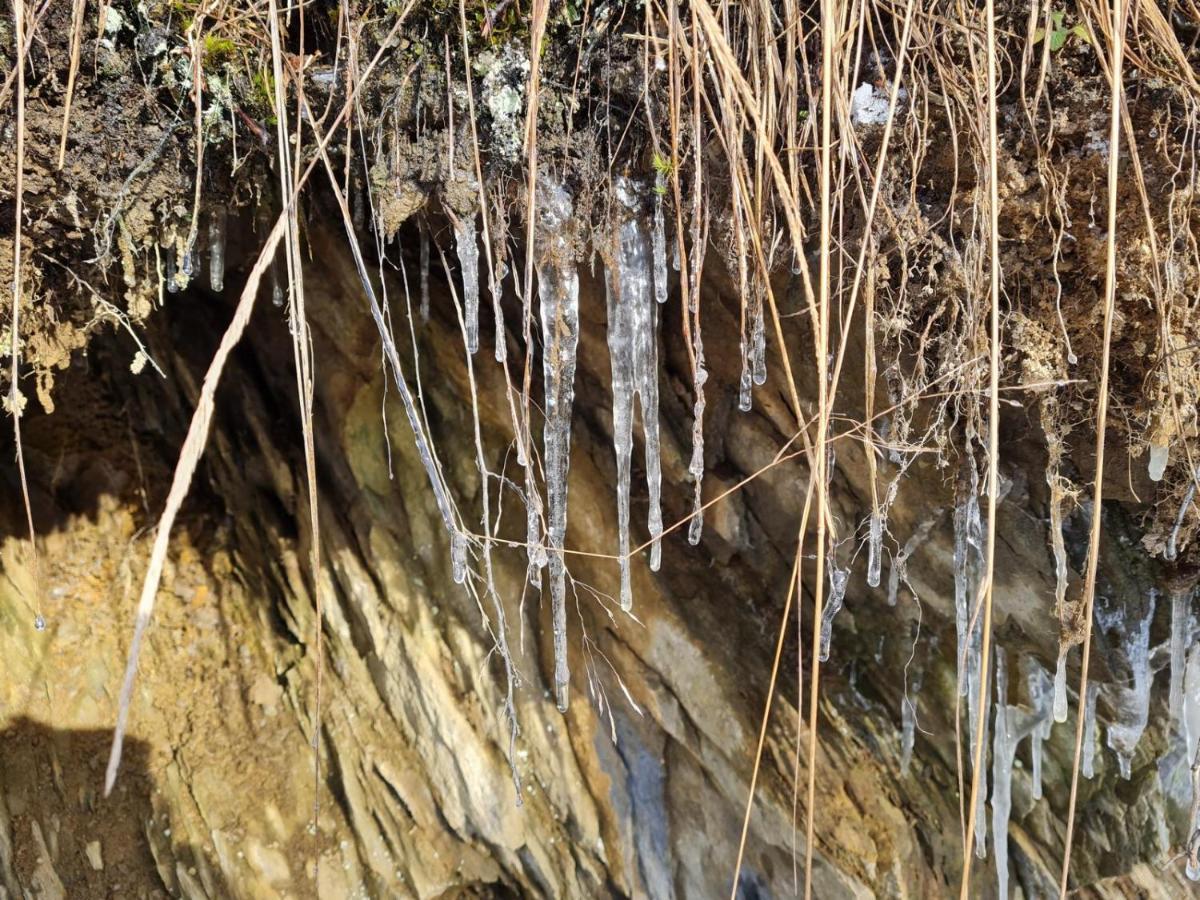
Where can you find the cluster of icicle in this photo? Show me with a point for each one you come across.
(636, 283)
(1128, 698)
(179, 266)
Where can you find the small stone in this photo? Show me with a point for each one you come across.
(93, 854)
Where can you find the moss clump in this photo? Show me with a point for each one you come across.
(218, 49)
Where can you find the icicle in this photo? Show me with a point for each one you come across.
(967, 563)
(1041, 696)
(758, 343)
(216, 249)
(458, 557)
(745, 402)
(1180, 632)
(968, 560)
(908, 733)
(633, 354)
(1088, 764)
(1159, 456)
(424, 275)
(1173, 541)
(1012, 725)
(468, 260)
(899, 567)
(558, 294)
(1191, 733)
(1003, 750)
(1131, 705)
(660, 240)
(967, 537)
(534, 546)
(1060, 687)
(169, 269)
(875, 550)
(496, 283)
(838, 579)
(276, 283)
(1191, 701)
(187, 264)
(908, 723)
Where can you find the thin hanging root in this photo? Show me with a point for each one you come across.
(193, 445)
(1110, 293)
(14, 394)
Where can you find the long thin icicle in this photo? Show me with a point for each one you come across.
(558, 294)
(1087, 766)
(1013, 725)
(633, 354)
(216, 249)
(468, 259)
(838, 579)
(1060, 687)
(1041, 696)
(1172, 549)
(1181, 602)
(968, 562)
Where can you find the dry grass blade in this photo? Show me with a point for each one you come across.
(189, 457)
(829, 17)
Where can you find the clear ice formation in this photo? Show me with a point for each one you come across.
(1172, 549)
(838, 579)
(458, 557)
(633, 353)
(968, 565)
(1130, 701)
(216, 249)
(558, 295)
(468, 259)
(1060, 686)
(1012, 725)
(1157, 466)
(874, 548)
(898, 570)
(660, 240)
(908, 723)
(1181, 602)
(1041, 698)
(754, 351)
(1087, 766)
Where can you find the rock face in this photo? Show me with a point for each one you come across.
(639, 789)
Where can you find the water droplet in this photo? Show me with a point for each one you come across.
(39, 623)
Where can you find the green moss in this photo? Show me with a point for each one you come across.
(218, 49)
